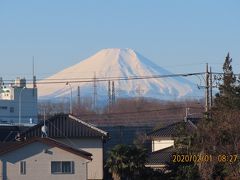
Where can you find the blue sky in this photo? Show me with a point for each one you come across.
(180, 36)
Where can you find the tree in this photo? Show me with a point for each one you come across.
(182, 143)
(126, 162)
(229, 90)
(219, 134)
(180, 171)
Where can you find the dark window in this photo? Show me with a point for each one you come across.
(23, 167)
(62, 167)
(56, 167)
(3, 107)
(12, 109)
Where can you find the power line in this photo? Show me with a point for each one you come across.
(79, 80)
(90, 79)
(142, 111)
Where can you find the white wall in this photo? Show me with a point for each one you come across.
(7, 93)
(161, 144)
(38, 163)
(95, 147)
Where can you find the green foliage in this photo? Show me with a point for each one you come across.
(126, 161)
(229, 89)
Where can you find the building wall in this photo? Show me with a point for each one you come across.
(161, 144)
(9, 108)
(95, 147)
(38, 163)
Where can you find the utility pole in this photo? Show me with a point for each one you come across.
(20, 106)
(70, 105)
(211, 87)
(207, 89)
(34, 77)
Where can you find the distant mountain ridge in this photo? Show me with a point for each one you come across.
(115, 62)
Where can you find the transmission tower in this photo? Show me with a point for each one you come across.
(113, 93)
(94, 91)
(109, 96)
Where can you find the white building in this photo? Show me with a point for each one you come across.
(18, 104)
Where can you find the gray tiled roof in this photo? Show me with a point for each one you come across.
(160, 157)
(168, 131)
(65, 126)
(171, 130)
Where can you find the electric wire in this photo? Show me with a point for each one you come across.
(91, 79)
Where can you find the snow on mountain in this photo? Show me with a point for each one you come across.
(117, 63)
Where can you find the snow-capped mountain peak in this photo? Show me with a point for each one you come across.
(116, 62)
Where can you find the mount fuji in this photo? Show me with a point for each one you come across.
(115, 63)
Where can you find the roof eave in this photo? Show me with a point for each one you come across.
(104, 133)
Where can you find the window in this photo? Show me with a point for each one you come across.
(23, 167)
(62, 167)
(3, 107)
(11, 109)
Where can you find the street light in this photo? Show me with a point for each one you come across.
(67, 83)
(20, 106)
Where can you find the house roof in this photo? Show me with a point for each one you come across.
(9, 147)
(172, 129)
(168, 131)
(65, 126)
(160, 157)
(9, 132)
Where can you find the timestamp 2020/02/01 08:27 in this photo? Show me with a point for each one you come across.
(197, 158)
